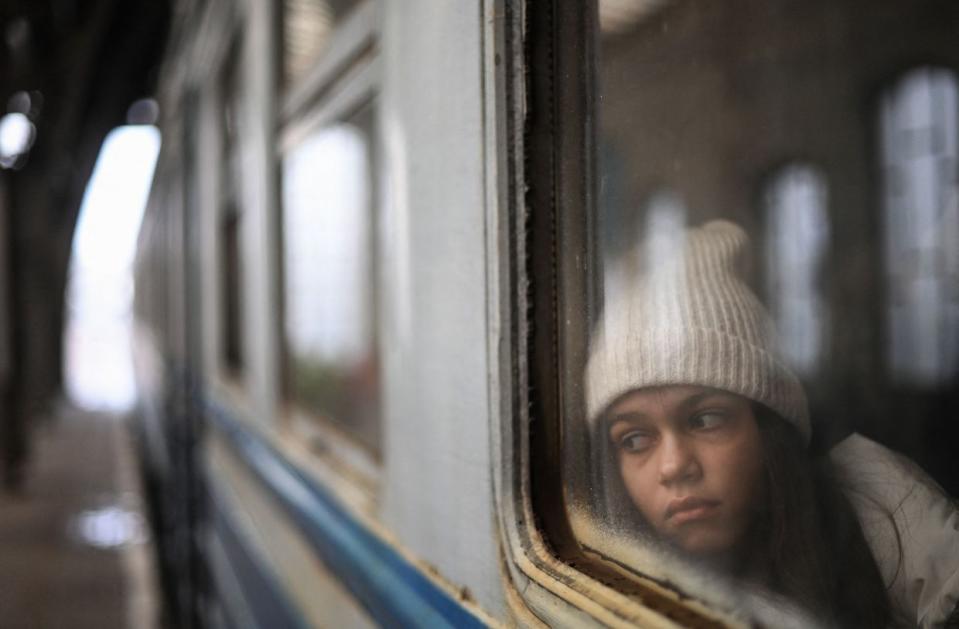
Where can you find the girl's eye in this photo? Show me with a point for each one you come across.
(635, 441)
(707, 421)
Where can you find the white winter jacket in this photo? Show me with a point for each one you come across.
(909, 523)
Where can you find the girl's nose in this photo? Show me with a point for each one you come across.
(677, 461)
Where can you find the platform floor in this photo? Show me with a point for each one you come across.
(75, 549)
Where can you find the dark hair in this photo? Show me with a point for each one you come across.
(806, 544)
(814, 549)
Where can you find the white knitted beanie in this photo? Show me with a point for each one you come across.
(692, 320)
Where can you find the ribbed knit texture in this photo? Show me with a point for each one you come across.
(692, 320)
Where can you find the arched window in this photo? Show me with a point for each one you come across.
(919, 198)
(797, 235)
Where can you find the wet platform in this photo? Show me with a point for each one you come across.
(74, 542)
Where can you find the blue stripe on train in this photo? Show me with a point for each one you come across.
(394, 592)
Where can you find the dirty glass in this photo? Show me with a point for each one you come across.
(329, 277)
(771, 393)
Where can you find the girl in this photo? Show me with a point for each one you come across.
(705, 432)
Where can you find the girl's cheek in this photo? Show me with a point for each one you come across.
(639, 485)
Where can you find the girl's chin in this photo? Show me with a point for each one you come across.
(705, 545)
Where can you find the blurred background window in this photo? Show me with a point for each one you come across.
(328, 265)
(230, 217)
(919, 196)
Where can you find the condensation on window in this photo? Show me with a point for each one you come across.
(921, 210)
(797, 237)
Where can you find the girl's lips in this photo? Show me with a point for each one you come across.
(690, 508)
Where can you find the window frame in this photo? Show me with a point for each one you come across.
(227, 91)
(342, 82)
(548, 87)
(229, 215)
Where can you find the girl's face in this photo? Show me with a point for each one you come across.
(691, 460)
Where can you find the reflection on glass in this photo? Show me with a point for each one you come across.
(701, 101)
(326, 248)
(329, 276)
(617, 16)
(919, 135)
(664, 221)
(797, 234)
(307, 28)
(665, 225)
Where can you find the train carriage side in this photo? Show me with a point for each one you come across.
(305, 517)
(381, 237)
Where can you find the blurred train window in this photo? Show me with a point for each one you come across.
(230, 218)
(329, 275)
(307, 29)
(773, 304)
(232, 331)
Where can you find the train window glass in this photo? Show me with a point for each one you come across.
(328, 264)
(769, 386)
(230, 287)
(307, 29)
(230, 220)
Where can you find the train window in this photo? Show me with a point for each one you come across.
(767, 390)
(230, 289)
(307, 29)
(329, 274)
(230, 219)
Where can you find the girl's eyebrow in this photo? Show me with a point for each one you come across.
(698, 398)
(631, 417)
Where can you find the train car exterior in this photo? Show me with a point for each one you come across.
(381, 233)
